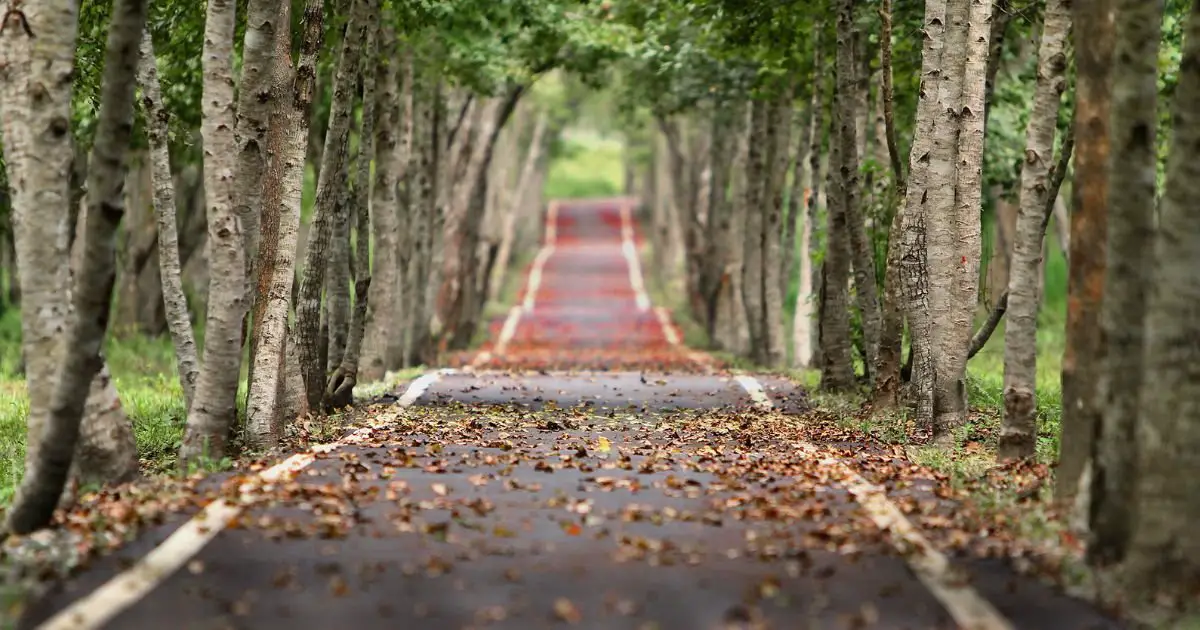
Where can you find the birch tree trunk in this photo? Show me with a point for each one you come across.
(804, 326)
(274, 272)
(886, 393)
(214, 410)
(387, 271)
(754, 208)
(516, 203)
(1018, 434)
(40, 491)
(40, 198)
(340, 390)
(914, 257)
(1132, 173)
(308, 304)
(770, 287)
(179, 321)
(714, 270)
(837, 366)
(254, 104)
(968, 190)
(423, 169)
(337, 273)
(852, 109)
(1164, 552)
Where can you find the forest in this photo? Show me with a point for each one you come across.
(962, 225)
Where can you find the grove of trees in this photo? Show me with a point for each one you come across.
(306, 195)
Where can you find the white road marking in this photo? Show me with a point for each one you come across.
(664, 320)
(127, 588)
(968, 608)
(539, 262)
(630, 252)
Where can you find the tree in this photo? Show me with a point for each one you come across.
(1163, 557)
(81, 360)
(179, 321)
(1018, 437)
(36, 102)
(1132, 172)
(1083, 358)
(214, 409)
(282, 187)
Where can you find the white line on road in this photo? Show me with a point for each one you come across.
(630, 252)
(968, 608)
(126, 588)
(539, 262)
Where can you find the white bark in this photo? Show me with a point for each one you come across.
(214, 409)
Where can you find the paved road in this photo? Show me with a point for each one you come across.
(524, 489)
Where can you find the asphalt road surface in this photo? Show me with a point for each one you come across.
(583, 469)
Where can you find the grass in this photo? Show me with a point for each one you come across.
(144, 373)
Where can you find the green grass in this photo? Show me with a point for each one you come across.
(144, 373)
(588, 165)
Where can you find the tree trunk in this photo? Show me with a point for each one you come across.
(714, 267)
(796, 201)
(850, 104)
(1018, 434)
(254, 104)
(423, 169)
(40, 199)
(308, 305)
(41, 490)
(776, 163)
(179, 320)
(337, 278)
(214, 410)
(886, 392)
(1163, 560)
(516, 203)
(804, 327)
(383, 311)
(752, 251)
(1083, 358)
(340, 390)
(274, 359)
(837, 366)
(1131, 206)
(914, 258)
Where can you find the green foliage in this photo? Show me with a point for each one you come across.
(587, 165)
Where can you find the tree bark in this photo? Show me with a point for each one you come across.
(214, 410)
(41, 490)
(1163, 560)
(254, 104)
(837, 367)
(275, 359)
(886, 391)
(340, 390)
(383, 310)
(754, 208)
(714, 273)
(337, 278)
(179, 321)
(1018, 433)
(850, 105)
(918, 195)
(1132, 173)
(308, 305)
(516, 203)
(1083, 358)
(804, 328)
(776, 163)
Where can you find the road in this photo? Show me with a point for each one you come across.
(583, 469)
